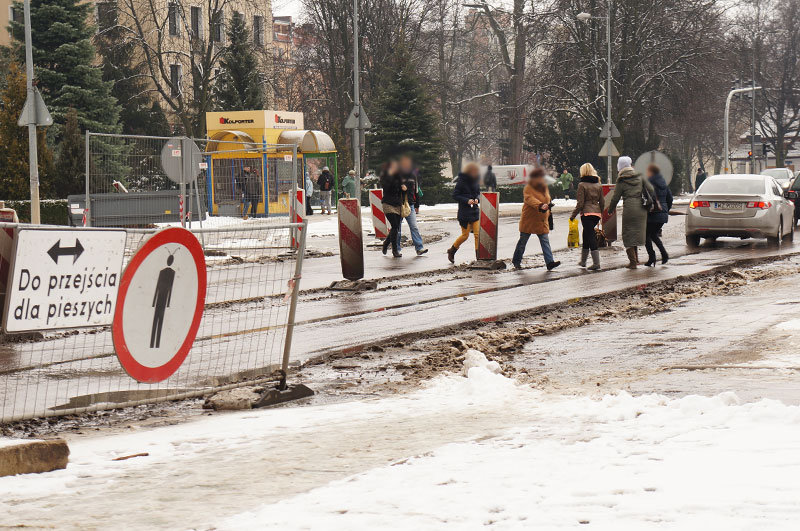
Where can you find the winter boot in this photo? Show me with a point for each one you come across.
(595, 261)
(584, 256)
(451, 254)
(386, 243)
(651, 259)
(633, 260)
(552, 265)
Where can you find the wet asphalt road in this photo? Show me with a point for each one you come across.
(416, 295)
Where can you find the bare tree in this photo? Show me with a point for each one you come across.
(181, 43)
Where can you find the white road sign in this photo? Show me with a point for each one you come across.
(160, 305)
(63, 279)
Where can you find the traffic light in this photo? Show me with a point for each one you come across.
(749, 155)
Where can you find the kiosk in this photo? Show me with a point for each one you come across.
(261, 142)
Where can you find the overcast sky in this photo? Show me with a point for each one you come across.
(286, 7)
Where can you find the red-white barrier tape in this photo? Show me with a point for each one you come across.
(378, 216)
(487, 236)
(298, 211)
(351, 239)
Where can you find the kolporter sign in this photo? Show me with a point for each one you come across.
(63, 279)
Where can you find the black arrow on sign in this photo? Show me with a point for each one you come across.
(56, 250)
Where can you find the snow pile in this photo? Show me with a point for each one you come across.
(621, 462)
(790, 325)
(475, 358)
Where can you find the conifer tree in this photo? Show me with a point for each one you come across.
(239, 86)
(64, 55)
(404, 123)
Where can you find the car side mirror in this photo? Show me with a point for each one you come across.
(791, 194)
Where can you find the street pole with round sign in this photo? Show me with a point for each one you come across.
(181, 159)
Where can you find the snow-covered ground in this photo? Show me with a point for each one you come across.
(616, 463)
(460, 453)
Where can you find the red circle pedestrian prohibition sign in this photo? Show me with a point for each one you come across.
(160, 303)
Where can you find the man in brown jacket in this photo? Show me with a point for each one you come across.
(535, 211)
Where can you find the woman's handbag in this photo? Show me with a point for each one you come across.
(573, 237)
(649, 201)
(406, 209)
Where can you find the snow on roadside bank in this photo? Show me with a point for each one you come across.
(465, 451)
(621, 462)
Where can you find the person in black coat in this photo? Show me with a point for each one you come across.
(490, 180)
(467, 193)
(394, 195)
(657, 219)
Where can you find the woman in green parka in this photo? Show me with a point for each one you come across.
(634, 215)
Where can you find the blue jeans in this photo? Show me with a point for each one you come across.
(247, 202)
(415, 235)
(544, 241)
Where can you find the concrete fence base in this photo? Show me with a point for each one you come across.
(34, 456)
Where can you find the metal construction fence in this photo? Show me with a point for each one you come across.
(127, 186)
(244, 335)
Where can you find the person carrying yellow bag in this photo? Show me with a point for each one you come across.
(590, 207)
(574, 237)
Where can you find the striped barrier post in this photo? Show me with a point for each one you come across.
(378, 217)
(296, 214)
(351, 244)
(6, 252)
(487, 235)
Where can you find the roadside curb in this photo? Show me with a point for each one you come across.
(23, 456)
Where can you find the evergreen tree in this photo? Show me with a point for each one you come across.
(64, 54)
(404, 123)
(69, 173)
(239, 86)
(15, 183)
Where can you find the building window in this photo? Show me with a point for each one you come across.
(217, 28)
(106, 15)
(16, 15)
(196, 14)
(258, 30)
(175, 80)
(174, 19)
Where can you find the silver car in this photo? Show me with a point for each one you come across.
(784, 176)
(741, 206)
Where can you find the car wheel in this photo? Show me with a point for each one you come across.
(692, 240)
(776, 240)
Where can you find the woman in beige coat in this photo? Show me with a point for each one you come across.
(535, 211)
(590, 208)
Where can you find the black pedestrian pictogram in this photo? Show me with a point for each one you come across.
(161, 300)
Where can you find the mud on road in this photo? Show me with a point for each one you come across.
(403, 364)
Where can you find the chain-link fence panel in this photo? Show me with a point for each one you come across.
(244, 334)
(127, 185)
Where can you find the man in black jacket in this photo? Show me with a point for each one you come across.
(490, 180)
(326, 183)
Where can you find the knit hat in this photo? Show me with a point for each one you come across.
(624, 162)
(351, 172)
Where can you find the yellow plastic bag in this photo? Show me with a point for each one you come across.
(573, 238)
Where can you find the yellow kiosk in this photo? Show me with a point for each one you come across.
(261, 142)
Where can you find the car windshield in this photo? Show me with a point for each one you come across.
(721, 185)
(779, 174)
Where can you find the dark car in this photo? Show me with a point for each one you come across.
(793, 194)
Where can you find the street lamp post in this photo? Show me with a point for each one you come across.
(586, 17)
(731, 94)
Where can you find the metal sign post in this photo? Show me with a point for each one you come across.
(181, 159)
(33, 113)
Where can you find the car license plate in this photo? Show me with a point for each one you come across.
(727, 205)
